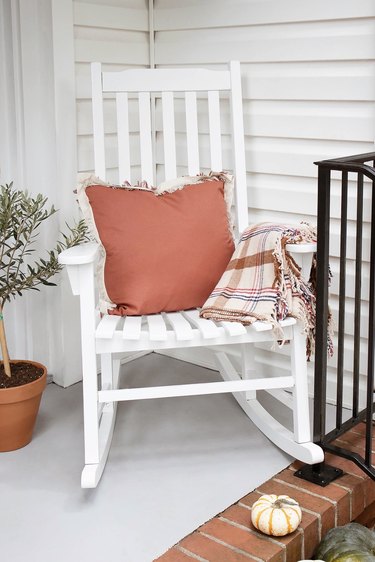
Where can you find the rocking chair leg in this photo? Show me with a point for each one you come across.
(110, 371)
(90, 413)
(92, 472)
(90, 409)
(248, 367)
(301, 417)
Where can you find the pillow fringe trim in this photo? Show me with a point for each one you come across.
(105, 302)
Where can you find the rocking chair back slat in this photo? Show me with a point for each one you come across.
(169, 135)
(238, 140)
(98, 119)
(145, 137)
(124, 170)
(215, 130)
(192, 132)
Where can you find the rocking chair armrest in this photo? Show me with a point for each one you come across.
(303, 255)
(79, 255)
(303, 248)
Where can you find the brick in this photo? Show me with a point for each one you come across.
(251, 498)
(296, 465)
(174, 555)
(325, 509)
(356, 486)
(349, 440)
(246, 541)
(359, 429)
(338, 496)
(345, 464)
(238, 514)
(353, 446)
(293, 544)
(211, 550)
(343, 511)
(367, 517)
(369, 491)
(311, 533)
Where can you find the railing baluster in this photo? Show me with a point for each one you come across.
(357, 296)
(371, 337)
(342, 295)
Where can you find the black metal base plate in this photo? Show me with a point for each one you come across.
(321, 474)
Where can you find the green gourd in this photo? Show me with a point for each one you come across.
(350, 543)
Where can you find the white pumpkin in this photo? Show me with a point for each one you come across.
(276, 515)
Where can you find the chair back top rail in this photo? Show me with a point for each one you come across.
(165, 82)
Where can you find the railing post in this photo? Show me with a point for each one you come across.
(371, 338)
(321, 473)
(320, 383)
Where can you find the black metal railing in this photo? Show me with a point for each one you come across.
(360, 167)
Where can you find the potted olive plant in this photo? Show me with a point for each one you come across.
(22, 382)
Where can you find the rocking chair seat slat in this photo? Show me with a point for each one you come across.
(264, 326)
(207, 328)
(233, 328)
(156, 327)
(180, 325)
(107, 326)
(132, 328)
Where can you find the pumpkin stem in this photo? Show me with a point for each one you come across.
(279, 503)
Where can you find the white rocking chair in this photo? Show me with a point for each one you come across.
(108, 336)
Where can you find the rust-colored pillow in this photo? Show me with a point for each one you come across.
(162, 251)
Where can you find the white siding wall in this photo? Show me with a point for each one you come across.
(29, 154)
(308, 81)
(309, 88)
(115, 33)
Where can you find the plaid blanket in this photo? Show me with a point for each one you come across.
(263, 282)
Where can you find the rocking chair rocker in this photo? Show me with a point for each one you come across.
(107, 336)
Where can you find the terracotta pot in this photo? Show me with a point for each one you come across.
(18, 410)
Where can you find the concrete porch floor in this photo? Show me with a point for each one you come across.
(174, 464)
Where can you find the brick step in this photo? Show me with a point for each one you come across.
(231, 537)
